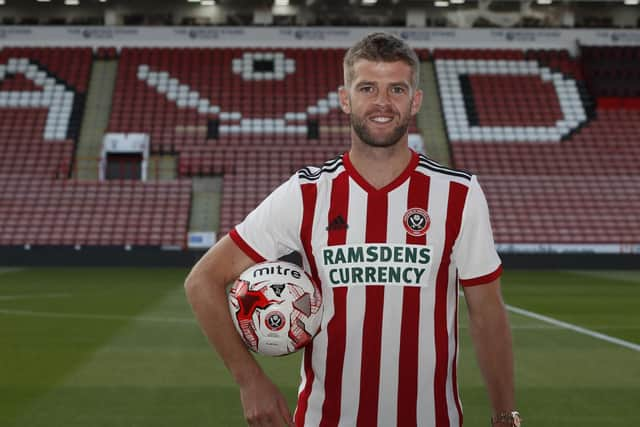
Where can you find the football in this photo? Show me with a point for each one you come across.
(276, 308)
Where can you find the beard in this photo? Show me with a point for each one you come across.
(359, 125)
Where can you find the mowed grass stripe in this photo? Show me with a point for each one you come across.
(38, 353)
(549, 323)
(154, 373)
(150, 373)
(618, 275)
(5, 270)
(31, 296)
(86, 316)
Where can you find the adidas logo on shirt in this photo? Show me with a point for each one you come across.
(337, 223)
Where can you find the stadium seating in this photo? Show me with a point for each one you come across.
(181, 96)
(39, 211)
(41, 99)
(42, 93)
(552, 174)
(612, 71)
(243, 113)
(551, 137)
(252, 115)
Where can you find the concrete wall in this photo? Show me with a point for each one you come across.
(154, 257)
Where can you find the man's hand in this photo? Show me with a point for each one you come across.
(264, 405)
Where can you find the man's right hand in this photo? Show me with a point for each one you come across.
(264, 405)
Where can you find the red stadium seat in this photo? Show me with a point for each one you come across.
(578, 190)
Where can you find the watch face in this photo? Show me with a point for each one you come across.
(513, 418)
(517, 421)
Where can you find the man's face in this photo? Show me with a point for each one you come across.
(380, 102)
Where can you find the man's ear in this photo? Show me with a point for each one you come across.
(343, 94)
(416, 103)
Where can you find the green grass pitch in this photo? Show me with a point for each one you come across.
(119, 347)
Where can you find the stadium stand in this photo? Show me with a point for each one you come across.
(613, 74)
(42, 93)
(555, 168)
(68, 212)
(552, 141)
(41, 97)
(252, 115)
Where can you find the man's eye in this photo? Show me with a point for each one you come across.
(366, 89)
(398, 90)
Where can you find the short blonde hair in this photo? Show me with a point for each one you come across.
(381, 47)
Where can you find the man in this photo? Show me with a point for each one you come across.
(388, 235)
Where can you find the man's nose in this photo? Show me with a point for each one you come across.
(382, 97)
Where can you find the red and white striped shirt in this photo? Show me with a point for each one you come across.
(388, 261)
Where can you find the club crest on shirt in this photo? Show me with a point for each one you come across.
(416, 221)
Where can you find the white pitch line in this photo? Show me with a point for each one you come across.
(10, 269)
(95, 316)
(574, 328)
(30, 296)
(539, 326)
(513, 309)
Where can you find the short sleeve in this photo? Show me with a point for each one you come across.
(474, 252)
(271, 230)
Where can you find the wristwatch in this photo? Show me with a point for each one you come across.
(511, 419)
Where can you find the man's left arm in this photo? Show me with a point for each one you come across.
(491, 337)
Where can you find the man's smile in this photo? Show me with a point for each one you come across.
(381, 119)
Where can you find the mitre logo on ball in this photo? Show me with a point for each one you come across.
(276, 308)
